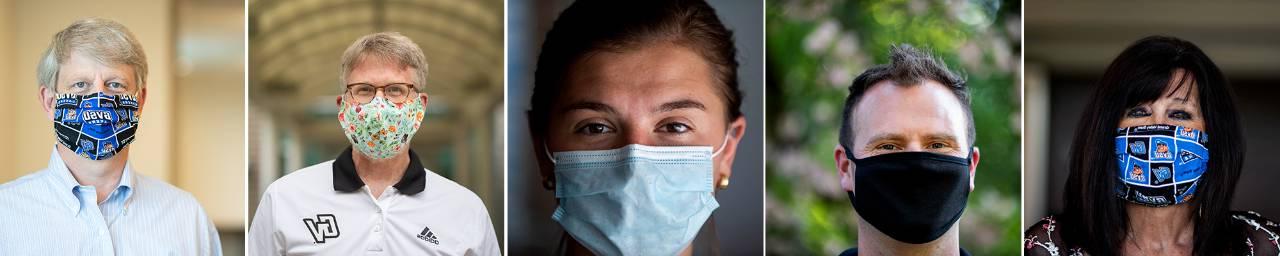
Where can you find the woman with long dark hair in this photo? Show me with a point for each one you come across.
(1154, 164)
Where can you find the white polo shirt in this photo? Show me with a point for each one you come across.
(325, 209)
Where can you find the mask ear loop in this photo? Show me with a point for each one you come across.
(724, 181)
(548, 152)
(722, 144)
(549, 183)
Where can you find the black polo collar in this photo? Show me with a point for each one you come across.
(345, 178)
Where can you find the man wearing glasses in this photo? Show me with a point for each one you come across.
(90, 200)
(376, 197)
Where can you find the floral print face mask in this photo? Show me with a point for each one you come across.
(380, 129)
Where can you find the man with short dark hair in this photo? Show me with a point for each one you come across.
(906, 155)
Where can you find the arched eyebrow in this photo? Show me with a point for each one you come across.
(895, 137)
(680, 104)
(90, 77)
(129, 83)
(665, 107)
(588, 105)
(943, 137)
(1184, 101)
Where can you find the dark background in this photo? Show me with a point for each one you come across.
(739, 224)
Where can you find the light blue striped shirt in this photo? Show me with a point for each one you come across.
(49, 213)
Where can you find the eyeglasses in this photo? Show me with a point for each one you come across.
(396, 93)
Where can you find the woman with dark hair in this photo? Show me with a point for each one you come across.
(635, 120)
(1154, 163)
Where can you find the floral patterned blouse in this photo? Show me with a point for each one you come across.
(1262, 236)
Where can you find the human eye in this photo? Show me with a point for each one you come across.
(591, 129)
(888, 147)
(1137, 112)
(362, 89)
(675, 127)
(396, 90)
(1180, 115)
(938, 145)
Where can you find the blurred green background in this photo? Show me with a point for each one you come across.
(816, 48)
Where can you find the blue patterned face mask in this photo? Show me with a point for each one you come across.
(635, 199)
(95, 126)
(1160, 165)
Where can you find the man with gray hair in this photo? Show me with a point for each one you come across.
(375, 197)
(89, 201)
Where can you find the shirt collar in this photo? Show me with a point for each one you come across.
(854, 252)
(64, 182)
(345, 178)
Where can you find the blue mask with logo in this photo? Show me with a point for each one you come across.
(95, 126)
(635, 199)
(1160, 165)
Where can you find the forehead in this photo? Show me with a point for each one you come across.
(81, 64)
(1182, 88)
(373, 69)
(926, 108)
(649, 74)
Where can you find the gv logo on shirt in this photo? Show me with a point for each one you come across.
(324, 226)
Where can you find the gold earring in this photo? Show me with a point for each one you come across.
(724, 183)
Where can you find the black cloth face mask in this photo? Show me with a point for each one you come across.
(913, 197)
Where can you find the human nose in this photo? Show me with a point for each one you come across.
(915, 147)
(1157, 116)
(632, 135)
(96, 86)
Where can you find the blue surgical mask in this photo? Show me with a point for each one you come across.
(637, 199)
(1160, 164)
